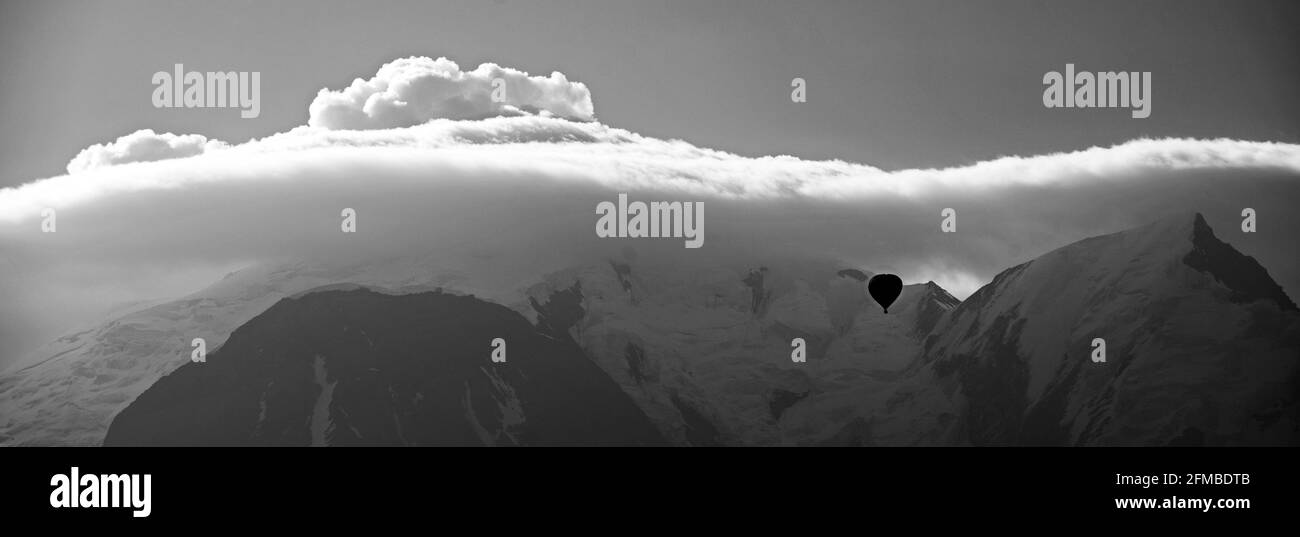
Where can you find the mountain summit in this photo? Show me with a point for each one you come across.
(357, 367)
(1201, 347)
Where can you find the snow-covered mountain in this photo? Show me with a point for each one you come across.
(707, 354)
(1201, 347)
(69, 390)
(704, 351)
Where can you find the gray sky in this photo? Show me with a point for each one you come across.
(892, 84)
(898, 85)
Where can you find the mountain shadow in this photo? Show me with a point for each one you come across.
(359, 367)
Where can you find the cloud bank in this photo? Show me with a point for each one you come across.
(411, 91)
(512, 198)
(143, 145)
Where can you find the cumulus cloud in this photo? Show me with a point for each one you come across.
(411, 91)
(142, 146)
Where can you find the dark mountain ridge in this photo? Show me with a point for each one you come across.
(359, 367)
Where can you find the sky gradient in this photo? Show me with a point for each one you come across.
(891, 84)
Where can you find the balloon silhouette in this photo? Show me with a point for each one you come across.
(885, 288)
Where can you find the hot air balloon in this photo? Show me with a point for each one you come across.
(885, 288)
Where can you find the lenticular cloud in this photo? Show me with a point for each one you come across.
(156, 216)
(411, 91)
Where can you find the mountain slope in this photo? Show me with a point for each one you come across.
(356, 367)
(1202, 347)
(69, 390)
(706, 352)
